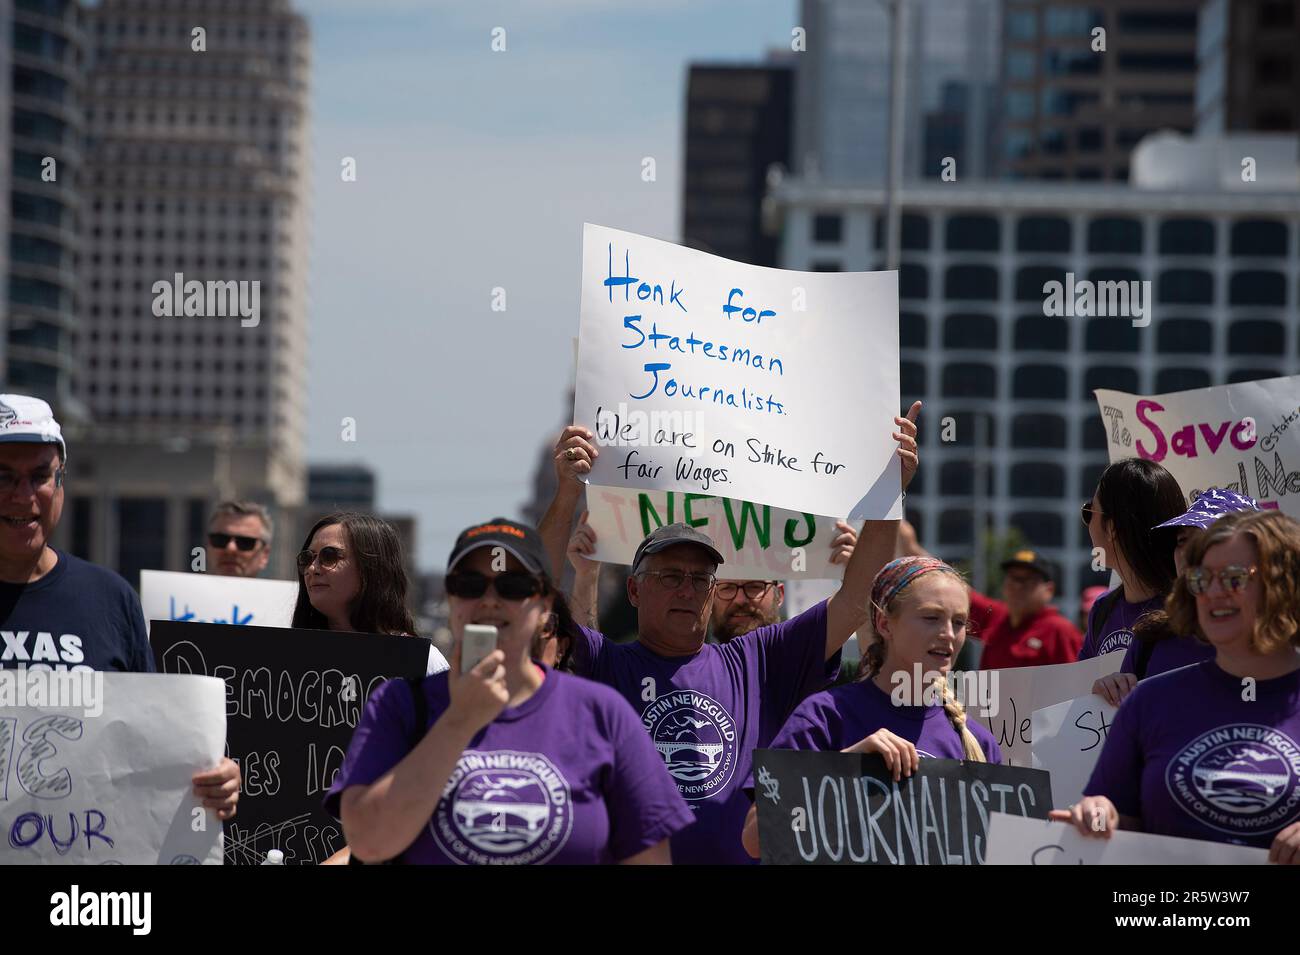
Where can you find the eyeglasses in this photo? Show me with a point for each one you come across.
(1086, 513)
(40, 480)
(672, 579)
(1234, 579)
(753, 589)
(511, 585)
(222, 541)
(329, 558)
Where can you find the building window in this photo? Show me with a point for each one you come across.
(1037, 479)
(1184, 336)
(1181, 379)
(1039, 381)
(1115, 235)
(957, 479)
(973, 234)
(828, 227)
(1041, 528)
(967, 428)
(1071, 62)
(1186, 287)
(1256, 337)
(1041, 333)
(913, 281)
(1186, 237)
(913, 232)
(912, 330)
(1259, 237)
(1038, 431)
(1112, 335)
(911, 379)
(967, 330)
(1257, 287)
(1094, 433)
(971, 282)
(1031, 279)
(1022, 24)
(970, 380)
(1113, 377)
(1043, 234)
(956, 526)
(1252, 374)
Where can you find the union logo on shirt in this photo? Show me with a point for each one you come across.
(503, 807)
(1115, 640)
(1242, 779)
(696, 737)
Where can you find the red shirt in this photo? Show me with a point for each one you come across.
(1044, 637)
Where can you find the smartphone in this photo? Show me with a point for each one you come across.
(476, 643)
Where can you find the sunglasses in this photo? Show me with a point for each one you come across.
(753, 589)
(222, 541)
(1086, 513)
(512, 585)
(329, 558)
(1233, 579)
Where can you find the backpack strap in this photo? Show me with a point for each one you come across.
(1142, 659)
(1104, 608)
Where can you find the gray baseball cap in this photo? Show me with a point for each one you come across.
(669, 536)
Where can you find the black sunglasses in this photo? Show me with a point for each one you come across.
(512, 585)
(222, 541)
(329, 558)
(1086, 513)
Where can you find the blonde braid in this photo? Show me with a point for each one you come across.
(957, 714)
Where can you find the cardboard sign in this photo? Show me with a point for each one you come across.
(707, 376)
(1014, 840)
(112, 783)
(208, 598)
(292, 699)
(1067, 739)
(846, 809)
(757, 541)
(1243, 437)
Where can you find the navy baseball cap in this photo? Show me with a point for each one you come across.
(1209, 506)
(519, 540)
(1050, 570)
(671, 535)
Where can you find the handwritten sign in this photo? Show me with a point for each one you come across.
(292, 699)
(846, 809)
(1022, 690)
(1067, 739)
(86, 789)
(1015, 840)
(707, 376)
(1243, 437)
(757, 541)
(208, 598)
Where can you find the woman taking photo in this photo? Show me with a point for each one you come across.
(1212, 751)
(351, 578)
(1132, 497)
(511, 762)
(921, 609)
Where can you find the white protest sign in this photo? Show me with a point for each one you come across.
(1067, 739)
(1243, 437)
(208, 598)
(1018, 840)
(111, 783)
(707, 376)
(757, 541)
(1022, 690)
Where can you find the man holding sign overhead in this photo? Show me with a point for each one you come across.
(707, 706)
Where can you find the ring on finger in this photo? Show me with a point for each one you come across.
(570, 454)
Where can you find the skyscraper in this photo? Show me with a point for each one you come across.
(193, 353)
(1248, 78)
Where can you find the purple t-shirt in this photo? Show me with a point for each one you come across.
(1117, 632)
(1167, 654)
(837, 718)
(566, 777)
(1189, 757)
(708, 712)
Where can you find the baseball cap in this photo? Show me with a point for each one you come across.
(670, 535)
(519, 540)
(1209, 506)
(1050, 570)
(29, 420)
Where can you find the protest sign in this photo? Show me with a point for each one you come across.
(1022, 690)
(110, 783)
(1243, 437)
(292, 699)
(845, 809)
(707, 376)
(1067, 739)
(1015, 840)
(757, 541)
(208, 598)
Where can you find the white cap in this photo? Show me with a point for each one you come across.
(29, 421)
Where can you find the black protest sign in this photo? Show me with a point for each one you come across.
(293, 698)
(846, 809)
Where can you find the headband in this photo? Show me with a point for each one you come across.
(898, 573)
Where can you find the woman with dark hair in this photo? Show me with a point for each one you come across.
(508, 761)
(1132, 497)
(1212, 750)
(351, 578)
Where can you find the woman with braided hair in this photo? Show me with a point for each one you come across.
(921, 606)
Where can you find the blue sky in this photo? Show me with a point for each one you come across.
(476, 170)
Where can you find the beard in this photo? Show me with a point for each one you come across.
(737, 624)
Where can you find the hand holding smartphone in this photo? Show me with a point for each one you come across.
(476, 642)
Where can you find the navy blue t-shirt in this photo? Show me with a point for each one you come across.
(78, 616)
